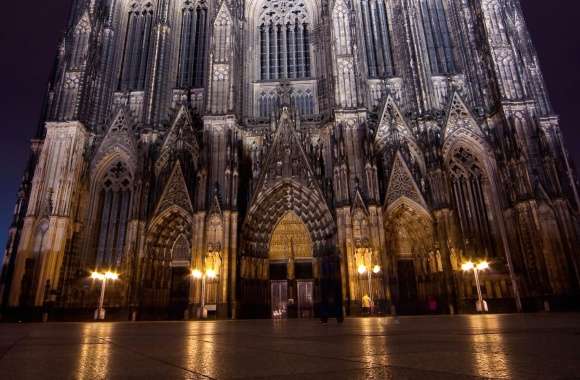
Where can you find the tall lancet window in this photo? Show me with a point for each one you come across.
(181, 252)
(469, 184)
(437, 36)
(80, 43)
(377, 38)
(137, 43)
(114, 205)
(193, 45)
(284, 32)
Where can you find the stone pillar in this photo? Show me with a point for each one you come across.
(442, 227)
(232, 298)
(52, 201)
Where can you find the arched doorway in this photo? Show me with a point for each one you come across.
(288, 236)
(291, 268)
(165, 278)
(416, 270)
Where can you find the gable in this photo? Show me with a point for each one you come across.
(181, 136)
(402, 184)
(175, 192)
(391, 122)
(459, 117)
(286, 157)
(118, 139)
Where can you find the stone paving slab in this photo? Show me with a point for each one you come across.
(527, 346)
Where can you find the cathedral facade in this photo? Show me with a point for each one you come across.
(282, 148)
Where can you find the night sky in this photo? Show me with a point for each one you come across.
(28, 42)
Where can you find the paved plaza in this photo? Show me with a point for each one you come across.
(532, 346)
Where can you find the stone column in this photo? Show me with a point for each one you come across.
(56, 178)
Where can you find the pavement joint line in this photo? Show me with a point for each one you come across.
(308, 373)
(11, 346)
(108, 340)
(348, 359)
(386, 367)
(318, 340)
(353, 360)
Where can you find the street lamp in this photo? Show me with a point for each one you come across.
(199, 275)
(481, 305)
(362, 269)
(103, 277)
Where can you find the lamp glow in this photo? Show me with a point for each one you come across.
(196, 273)
(467, 266)
(480, 305)
(111, 276)
(211, 274)
(376, 269)
(483, 265)
(362, 269)
(103, 277)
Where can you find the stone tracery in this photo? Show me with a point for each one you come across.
(288, 134)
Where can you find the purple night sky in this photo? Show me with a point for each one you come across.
(28, 42)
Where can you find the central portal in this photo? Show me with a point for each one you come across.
(291, 269)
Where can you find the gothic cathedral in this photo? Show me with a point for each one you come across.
(294, 151)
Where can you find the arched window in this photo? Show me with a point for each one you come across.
(342, 30)
(468, 184)
(68, 101)
(137, 43)
(303, 101)
(181, 252)
(193, 47)
(284, 32)
(114, 204)
(80, 43)
(437, 36)
(377, 32)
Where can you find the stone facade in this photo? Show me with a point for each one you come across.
(404, 136)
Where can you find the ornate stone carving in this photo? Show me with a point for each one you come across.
(175, 193)
(181, 137)
(402, 184)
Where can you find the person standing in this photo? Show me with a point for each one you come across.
(366, 304)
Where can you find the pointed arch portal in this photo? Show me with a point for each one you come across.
(270, 207)
(416, 268)
(166, 266)
(287, 237)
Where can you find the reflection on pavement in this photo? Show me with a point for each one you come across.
(489, 351)
(95, 352)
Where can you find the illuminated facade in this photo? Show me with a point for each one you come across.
(287, 144)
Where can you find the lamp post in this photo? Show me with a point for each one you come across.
(481, 305)
(103, 277)
(362, 269)
(199, 275)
